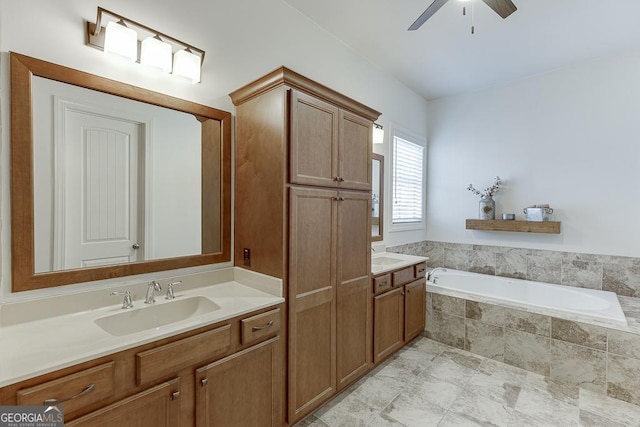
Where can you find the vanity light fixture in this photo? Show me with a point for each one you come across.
(115, 33)
(378, 134)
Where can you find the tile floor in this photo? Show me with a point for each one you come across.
(431, 384)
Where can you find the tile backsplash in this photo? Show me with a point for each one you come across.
(605, 272)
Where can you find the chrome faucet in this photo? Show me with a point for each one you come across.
(152, 288)
(126, 302)
(433, 271)
(170, 286)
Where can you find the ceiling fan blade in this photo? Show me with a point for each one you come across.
(428, 13)
(503, 8)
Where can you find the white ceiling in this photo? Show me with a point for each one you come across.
(442, 58)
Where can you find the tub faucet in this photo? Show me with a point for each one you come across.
(430, 275)
(153, 287)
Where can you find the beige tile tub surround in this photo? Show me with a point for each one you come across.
(605, 272)
(595, 358)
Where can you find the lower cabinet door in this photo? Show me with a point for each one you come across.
(354, 331)
(242, 389)
(388, 321)
(414, 309)
(156, 407)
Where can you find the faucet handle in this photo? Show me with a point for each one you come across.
(126, 302)
(170, 286)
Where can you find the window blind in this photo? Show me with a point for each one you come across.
(408, 179)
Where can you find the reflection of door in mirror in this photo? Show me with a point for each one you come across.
(100, 178)
(377, 196)
(116, 181)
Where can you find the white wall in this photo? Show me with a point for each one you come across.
(570, 138)
(243, 40)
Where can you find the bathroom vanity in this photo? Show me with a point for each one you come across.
(219, 365)
(399, 301)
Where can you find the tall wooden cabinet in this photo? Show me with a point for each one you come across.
(302, 213)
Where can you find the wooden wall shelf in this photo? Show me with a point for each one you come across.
(549, 227)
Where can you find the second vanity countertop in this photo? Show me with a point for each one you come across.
(383, 262)
(41, 336)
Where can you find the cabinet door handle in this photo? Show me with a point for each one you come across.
(54, 402)
(204, 382)
(175, 395)
(259, 328)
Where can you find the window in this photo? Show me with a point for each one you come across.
(407, 209)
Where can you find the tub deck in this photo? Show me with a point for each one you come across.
(596, 307)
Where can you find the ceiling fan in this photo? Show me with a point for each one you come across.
(504, 8)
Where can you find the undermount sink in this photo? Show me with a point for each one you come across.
(385, 260)
(154, 316)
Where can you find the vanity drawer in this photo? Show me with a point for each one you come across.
(166, 360)
(259, 327)
(403, 276)
(381, 283)
(421, 270)
(76, 390)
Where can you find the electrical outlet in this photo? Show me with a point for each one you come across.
(246, 256)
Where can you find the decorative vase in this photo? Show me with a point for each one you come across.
(487, 208)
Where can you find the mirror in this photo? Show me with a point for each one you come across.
(377, 196)
(110, 180)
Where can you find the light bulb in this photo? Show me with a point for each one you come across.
(156, 53)
(187, 64)
(121, 40)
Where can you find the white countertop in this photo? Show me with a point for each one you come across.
(393, 261)
(41, 336)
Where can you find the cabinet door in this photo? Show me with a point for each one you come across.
(312, 299)
(354, 161)
(155, 407)
(414, 309)
(314, 141)
(242, 389)
(388, 320)
(354, 328)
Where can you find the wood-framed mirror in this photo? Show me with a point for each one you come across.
(377, 197)
(78, 185)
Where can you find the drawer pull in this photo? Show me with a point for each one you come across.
(381, 284)
(422, 270)
(260, 328)
(54, 402)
